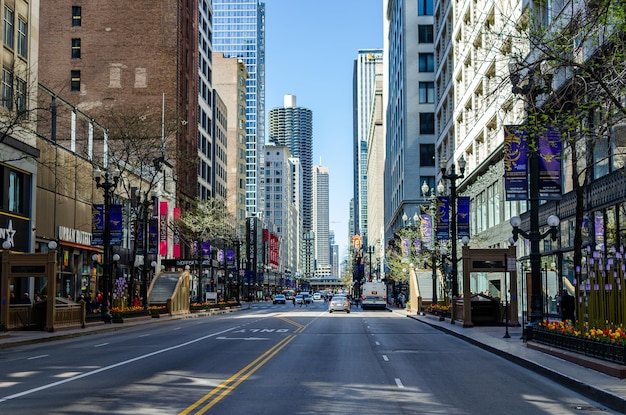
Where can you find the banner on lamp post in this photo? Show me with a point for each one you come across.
(549, 162)
(463, 216)
(515, 162)
(163, 228)
(443, 218)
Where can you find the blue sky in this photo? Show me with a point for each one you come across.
(310, 51)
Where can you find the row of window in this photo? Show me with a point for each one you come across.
(8, 33)
(13, 93)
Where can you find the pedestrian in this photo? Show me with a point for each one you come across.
(568, 305)
(293, 300)
(12, 298)
(136, 302)
(26, 299)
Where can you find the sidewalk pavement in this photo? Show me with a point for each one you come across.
(605, 389)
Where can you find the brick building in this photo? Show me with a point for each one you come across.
(127, 72)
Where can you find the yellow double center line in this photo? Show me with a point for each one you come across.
(226, 387)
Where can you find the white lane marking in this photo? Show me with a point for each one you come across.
(241, 338)
(144, 335)
(113, 366)
(177, 328)
(385, 358)
(377, 344)
(399, 383)
(101, 344)
(37, 357)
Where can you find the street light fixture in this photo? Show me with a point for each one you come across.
(535, 236)
(108, 185)
(453, 176)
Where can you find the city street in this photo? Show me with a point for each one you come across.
(275, 359)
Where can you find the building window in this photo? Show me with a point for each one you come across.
(427, 123)
(9, 15)
(76, 15)
(426, 62)
(427, 155)
(76, 48)
(425, 7)
(75, 81)
(22, 38)
(425, 33)
(427, 92)
(20, 95)
(7, 89)
(15, 192)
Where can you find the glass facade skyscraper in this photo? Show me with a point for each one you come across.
(239, 32)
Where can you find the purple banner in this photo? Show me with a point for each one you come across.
(97, 225)
(115, 225)
(463, 216)
(443, 218)
(206, 249)
(230, 258)
(515, 163)
(426, 226)
(550, 164)
(405, 247)
(418, 246)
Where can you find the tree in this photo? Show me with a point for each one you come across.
(577, 56)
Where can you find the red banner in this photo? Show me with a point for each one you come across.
(274, 250)
(176, 236)
(163, 228)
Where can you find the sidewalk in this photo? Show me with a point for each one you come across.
(607, 390)
(14, 338)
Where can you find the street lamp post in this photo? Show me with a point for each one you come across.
(535, 236)
(108, 186)
(145, 204)
(531, 87)
(453, 176)
(429, 194)
(370, 251)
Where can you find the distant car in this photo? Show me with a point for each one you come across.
(339, 303)
(279, 299)
(299, 299)
(317, 297)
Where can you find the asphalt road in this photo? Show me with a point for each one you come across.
(275, 359)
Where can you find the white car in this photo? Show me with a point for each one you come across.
(317, 297)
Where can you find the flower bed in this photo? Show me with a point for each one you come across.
(607, 344)
(439, 310)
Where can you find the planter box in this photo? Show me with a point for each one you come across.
(610, 352)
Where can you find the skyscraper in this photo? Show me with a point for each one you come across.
(321, 220)
(292, 126)
(239, 32)
(410, 123)
(367, 65)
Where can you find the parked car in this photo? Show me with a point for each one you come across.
(279, 299)
(339, 303)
